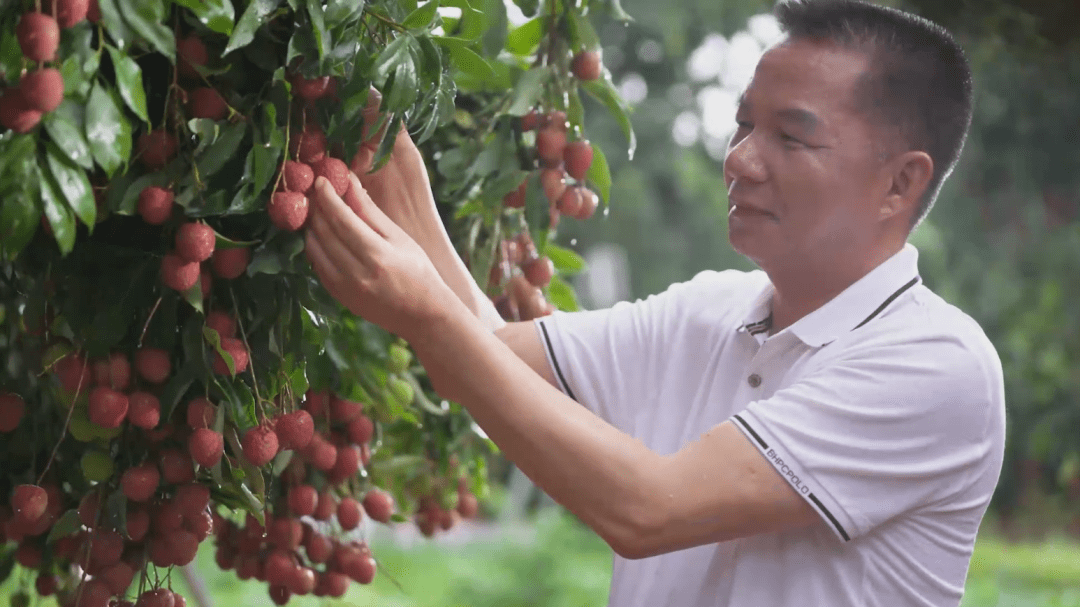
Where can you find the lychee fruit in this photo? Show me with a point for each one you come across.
(191, 51)
(235, 348)
(303, 499)
(114, 371)
(16, 114)
(230, 263)
(179, 273)
(192, 498)
(107, 407)
(161, 597)
(586, 65)
(43, 89)
(316, 402)
(379, 505)
(361, 430)
(554, 183)
(348, 513)
(70, 12)
(153, 364)
(539, 271)
(295, 429)
(309, 145)
(297, 176)
(221, 322)
(28, 502)
(206, 447)
(206, 102)
(118, 576)
(468, 506)
(589, 202)
(310, 89)
(155, 204)
(140, 483)
(93, 12)
(12, 409)
(200, 413)
(321, 453)
(106, 547)
(93, 593)
(89, 507)
(335, 171)
(516, 199)
(176, 465)
(38, 35)
(260, 445)
(144, 410)
(550, 143)
(195, 241)
(155, 149)
(342, 410)
(578, 157)
(288, 210)
(138, 522)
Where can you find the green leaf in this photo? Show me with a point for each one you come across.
(599, 174)
(145, 18)
(562, 294)
(67, 524)
(318, 26)
(422, 16)
(528, 89)
(128, 203)
(221, 242)
(130, 82)
(74, 185)
(395, 69)
(218, 15)
(471, 25)
(603, 91)
(566, 261)
(214, 340)
(250, 21)
(11, 57)
(59, 214)
(66, 126)
(108, 132)
(616, 10)
(524, 39)
(537, 211)
(582, 34)
(112, 19)
(528, 7)
(495, 24)
(221, 151)
(339, 12)
(466, 59)
(19, 216)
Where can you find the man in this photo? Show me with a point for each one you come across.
(824, 431)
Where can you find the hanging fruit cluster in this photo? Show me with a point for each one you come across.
(172, 369)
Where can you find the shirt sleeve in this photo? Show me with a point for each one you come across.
(885, 430)
(606, 359)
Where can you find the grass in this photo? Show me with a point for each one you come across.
(555, 562)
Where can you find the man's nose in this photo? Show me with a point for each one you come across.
(743, 162)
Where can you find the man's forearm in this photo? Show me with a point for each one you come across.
(436, 243)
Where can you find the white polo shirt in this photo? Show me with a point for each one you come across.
(884, 409)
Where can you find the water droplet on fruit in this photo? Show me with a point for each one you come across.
(573, 242)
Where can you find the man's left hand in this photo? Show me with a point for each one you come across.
(371, 265)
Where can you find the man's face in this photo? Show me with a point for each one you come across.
(800, 176)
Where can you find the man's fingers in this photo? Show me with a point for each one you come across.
(320, 262)
(346, 226)
(362, 204)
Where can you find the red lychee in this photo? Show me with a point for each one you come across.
(308, 145)
(222, 322)
(118, 576)
(200, 413)
(140, 483)
(586, 65)
(235, 348)
(155, 149)
(288, 210)
(178, 273)
(70, 12)
(92, 593)
(195, 241)
(28, 503)
(153, 364)
(348, 513)
(16, 114)
(43, 89)
(260, 445)
(12, 409)
(192, 498)
(516, 199)
(155, 204)
(589, 202)
(321, 453)
(161, 597)
(38, 35)
(176, 465)
(361, 430)
(550, 143)
(144, 410)
(310, 89)
(297, 176)
(303, 499)
(107, 407)
(342, 410)
(93, 12)
(578, 157)
(539, 271)
(206, 447)
(295, 429)
(554, 183)
(379, 505)
(191, 51)
(230, 263)
(206, 102)
(335, 171)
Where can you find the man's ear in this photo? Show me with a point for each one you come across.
(909, 175)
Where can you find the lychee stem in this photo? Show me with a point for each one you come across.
(148, 319)
(67, 423)
(251, 363)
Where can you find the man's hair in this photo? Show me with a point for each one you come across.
(918, 84)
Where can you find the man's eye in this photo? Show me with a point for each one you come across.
(789, 139)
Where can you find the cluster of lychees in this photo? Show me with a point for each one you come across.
(41, 90)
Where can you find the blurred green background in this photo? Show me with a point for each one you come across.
(1002, 243)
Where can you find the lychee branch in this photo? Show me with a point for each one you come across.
(67, 422)
(251, 361)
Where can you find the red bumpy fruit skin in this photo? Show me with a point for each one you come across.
(586, 65)
(589, 202)
(578, 157)
(200, 413)
(288, 210)
(155, 205)
(310, 90)
(550, 144)
(144, 410)
(554, 184)
(297, 176)
(195, 241)
(93, 593)
(303, 500)
(114, 371)
(230, 263)
(191, 51)
(295, 429)
(516, 199)
(43, 89)
(12, 409)
(178, 273)
(308, 146)
(335, 171)
(162, 597)
(206, 447)
(16, 114)
(235, 348)
(379, 505)
(93, 12)
(153, 364)
(155, 149)
(221, 322)
(39, 36)
(71, 12)
(570, 202)
(107, 407)
(140, 483)
(206, 102)
(29, 502)
(361, 430)
(539, 271)
(260, 445)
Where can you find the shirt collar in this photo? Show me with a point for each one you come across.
(852, 308)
